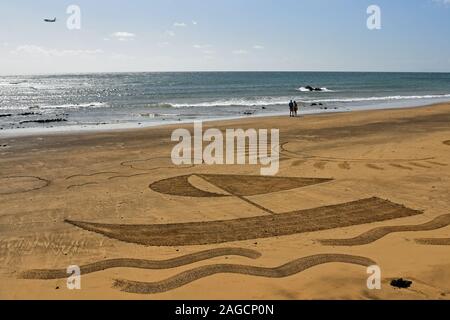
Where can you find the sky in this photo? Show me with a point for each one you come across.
(224, 35)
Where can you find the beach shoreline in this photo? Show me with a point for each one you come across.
(99, 128)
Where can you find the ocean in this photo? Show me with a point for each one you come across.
(125, 100)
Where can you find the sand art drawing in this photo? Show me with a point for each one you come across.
(21, 184)
(283, 271)
(238, 185)
(265, 226)
(320, 162)
(298, 154)
(378, 233)
(47, 274)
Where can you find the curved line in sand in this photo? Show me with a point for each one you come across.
(130, 163)
(48, 274)
(286, 270)
(434, 241)
(378, 233)
(81, 185)
(90, 175)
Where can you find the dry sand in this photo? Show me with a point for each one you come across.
(380, 194)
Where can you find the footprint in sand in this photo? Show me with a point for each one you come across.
(344, 166)
(320, 165)
(399, 166)
(418, 165)
(374, 166)
(438, 163)
(298, 163)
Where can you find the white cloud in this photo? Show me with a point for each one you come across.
(123, 36)
(240, 52)
(202, 46)
(180, 25)
(169, 33)
(37, 51)
(194, 22)
(445, 2)
(258, 47)
(163, 44)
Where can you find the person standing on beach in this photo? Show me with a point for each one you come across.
(295, 108)
(291, 109)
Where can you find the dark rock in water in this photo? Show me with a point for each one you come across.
(313, 89)
(320, 104)
(43, 121)
(313, 104)
(264, 108)
(5, 115)
(401, 283)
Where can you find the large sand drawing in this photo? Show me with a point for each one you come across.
(378, 233)
(286, 270)
(45, 274)
(202, 233)
(21, 184)
(236, 185)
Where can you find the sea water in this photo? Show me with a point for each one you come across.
(108, 100)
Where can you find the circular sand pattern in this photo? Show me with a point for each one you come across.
(21, 184)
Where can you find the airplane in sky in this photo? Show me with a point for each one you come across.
(50, 20)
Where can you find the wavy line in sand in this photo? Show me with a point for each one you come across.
(378, 233)
(90, 175)
(81, 185)
(286, 270)
(47, 274)
(434, 241)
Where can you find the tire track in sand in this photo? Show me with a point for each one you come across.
(286, 270)
(378, 233)
(47, 274)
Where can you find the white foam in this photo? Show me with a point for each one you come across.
(387, 98)
(324, 89)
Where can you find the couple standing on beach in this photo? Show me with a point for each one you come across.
(293, 108)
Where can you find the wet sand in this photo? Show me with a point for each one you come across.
(361, 188)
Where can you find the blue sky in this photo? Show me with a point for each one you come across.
(206, 35)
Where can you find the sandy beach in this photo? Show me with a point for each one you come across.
(354, 189)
